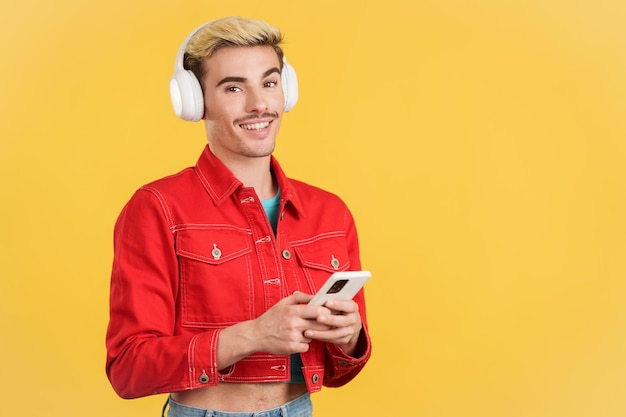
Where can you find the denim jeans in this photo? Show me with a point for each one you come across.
(300, 407)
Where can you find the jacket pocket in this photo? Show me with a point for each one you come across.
(215, 275)
(321, 256)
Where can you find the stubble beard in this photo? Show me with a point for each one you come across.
(248, 152)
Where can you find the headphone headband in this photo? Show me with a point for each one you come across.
(179, 64)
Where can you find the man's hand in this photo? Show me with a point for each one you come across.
(289, 326)
(342, 328)
(280, 331)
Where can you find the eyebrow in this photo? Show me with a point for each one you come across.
(243, 80)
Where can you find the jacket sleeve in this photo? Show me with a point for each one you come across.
(144, 357)
(341, 368)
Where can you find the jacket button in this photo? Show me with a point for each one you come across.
(335, 262)
(315, 378)
(216, 252)
(204, 378)
(286, 254)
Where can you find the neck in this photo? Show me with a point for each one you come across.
(259, 177)
(253, 172)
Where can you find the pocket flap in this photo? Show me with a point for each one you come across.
(325, 252)
(213, 245)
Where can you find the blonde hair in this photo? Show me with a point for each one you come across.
(229, 32)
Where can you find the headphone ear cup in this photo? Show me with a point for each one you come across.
(290, 85)
(186, 95)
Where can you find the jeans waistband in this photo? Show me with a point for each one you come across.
(298, 407)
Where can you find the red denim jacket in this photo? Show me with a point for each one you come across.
(195, 253)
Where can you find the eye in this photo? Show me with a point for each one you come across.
(233, 89)
(270, 84)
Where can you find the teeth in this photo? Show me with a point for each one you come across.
(255, 126)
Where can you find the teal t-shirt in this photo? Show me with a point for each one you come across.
(271, 207)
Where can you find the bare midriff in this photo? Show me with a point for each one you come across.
(240, 397)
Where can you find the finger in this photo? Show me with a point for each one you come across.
(336, 335)
(296, 347)
(305, 339)
(316, 326)
(299, 297)
(339, 320)
(342, 306)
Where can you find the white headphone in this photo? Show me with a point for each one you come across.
(186, 92)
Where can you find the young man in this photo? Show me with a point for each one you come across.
(214, 266)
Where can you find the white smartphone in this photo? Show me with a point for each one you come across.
(341, 286)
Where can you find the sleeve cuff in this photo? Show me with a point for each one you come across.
(361, 353)
(202, 358)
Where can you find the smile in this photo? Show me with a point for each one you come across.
(255, 126)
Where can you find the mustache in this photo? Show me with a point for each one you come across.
(256, 117)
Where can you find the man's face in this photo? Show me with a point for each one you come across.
(244, 101)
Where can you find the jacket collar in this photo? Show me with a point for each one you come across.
(220, 183)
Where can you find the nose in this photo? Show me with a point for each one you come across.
(256, 101)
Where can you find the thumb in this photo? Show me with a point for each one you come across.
(299, 297)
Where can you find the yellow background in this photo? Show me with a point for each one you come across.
(480, 145)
